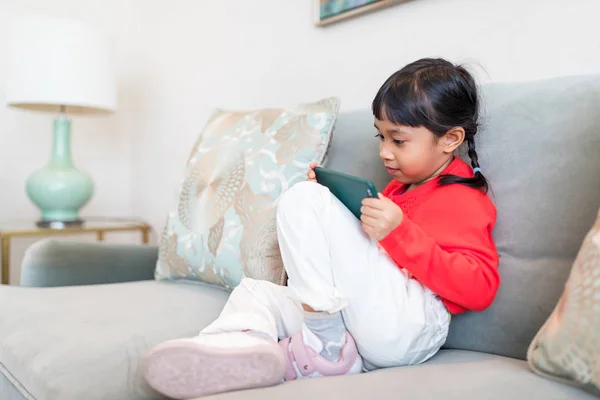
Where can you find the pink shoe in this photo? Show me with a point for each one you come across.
(301, 361)
(215, 363)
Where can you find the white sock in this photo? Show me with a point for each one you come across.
(325, 333)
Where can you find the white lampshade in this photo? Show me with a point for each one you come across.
(55, 62)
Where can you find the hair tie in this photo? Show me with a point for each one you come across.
(476, 170)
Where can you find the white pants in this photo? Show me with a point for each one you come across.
(333, 265)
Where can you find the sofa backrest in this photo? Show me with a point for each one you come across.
(539, 145)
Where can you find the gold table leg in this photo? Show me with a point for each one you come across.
(145, 235)
(5, 259)
(100, 236)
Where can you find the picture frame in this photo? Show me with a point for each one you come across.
(331, 11)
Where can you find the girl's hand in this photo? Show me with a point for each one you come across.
(380, 216)
(311, 176)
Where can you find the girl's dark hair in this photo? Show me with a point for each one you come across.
(439, 96)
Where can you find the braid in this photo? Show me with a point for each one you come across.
(471, 152)
(478, 181)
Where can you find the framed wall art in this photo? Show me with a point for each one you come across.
(330, 11)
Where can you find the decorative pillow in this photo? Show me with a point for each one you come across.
(567, 347)
(223, 225)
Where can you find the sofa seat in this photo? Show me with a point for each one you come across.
(450, 375)
(52, 340)
(85, 342)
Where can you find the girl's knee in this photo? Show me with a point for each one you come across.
(300, 196)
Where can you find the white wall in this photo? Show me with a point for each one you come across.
(179, 59)
(192, 56)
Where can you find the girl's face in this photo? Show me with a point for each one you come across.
(414, 156)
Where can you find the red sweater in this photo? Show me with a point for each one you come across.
(445, 240)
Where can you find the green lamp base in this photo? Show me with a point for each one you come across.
(59, 189)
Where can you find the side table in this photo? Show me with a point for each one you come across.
(10, 229)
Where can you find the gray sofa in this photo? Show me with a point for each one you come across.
(85, 313)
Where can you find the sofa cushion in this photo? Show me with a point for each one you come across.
(223, 225)
(540, 150)
(539, 146)
(85, 342)
(450, 375)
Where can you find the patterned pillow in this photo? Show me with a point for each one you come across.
(567, 347)
(223, 225)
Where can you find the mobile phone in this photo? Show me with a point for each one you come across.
(349, 189)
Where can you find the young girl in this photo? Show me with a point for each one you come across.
(364, 294)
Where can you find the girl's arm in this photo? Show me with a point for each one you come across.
(456, 258)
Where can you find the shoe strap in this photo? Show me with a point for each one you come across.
(300, 352)
(289, 373)
(309, 361)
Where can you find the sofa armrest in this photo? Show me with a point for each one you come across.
(51, 262)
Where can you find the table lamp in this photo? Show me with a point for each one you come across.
(60, 66)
